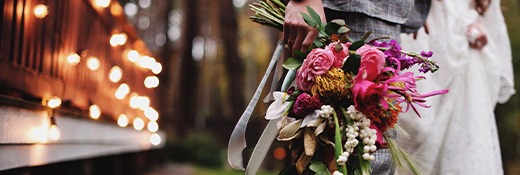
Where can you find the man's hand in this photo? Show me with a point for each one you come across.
(298, 34)
(477, 35)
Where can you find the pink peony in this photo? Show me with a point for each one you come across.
(372, 62)
(318, 62)
(367, 95)
(339, 58)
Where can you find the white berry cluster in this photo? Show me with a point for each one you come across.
(326, 112)
(361, 128)
(337, 173)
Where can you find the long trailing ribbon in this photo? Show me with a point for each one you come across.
(270, 131)
(237, 142)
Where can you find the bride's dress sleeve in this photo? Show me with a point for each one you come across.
(499, 46)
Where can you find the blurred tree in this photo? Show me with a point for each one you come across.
(189, 71)
(234, 65)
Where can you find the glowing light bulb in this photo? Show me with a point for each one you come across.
(143, 102)
(40, 11)
(155, 139)
(116, 9)
(156, 68)
(95, 111)
(103, 3)
(151, 82)
(54, 102)
(122, 91)
(153, 126)
(146, 62)
(122, 120)
(134, 101)
(118, 39)
(133, 55)
(151, 114)
(138, 124)
(73, 59)
(115, 74)
(93, 63)
(54, 133)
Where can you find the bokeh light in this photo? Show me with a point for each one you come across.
(95, 111)
(122, 120)
(138, 124)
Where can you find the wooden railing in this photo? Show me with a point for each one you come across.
(34, 52)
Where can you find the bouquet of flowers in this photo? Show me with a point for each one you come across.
(346, 94)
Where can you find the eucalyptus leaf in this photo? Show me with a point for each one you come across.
(292, 63)
(312, 47)
(352, 64)
(300, 54)
(314, 15)
(318, 43)
(309, 20)
(356, 45)
(331, 28)
(319, 168)
(340, 22)
(343, 29)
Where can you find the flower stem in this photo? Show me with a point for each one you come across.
(337, 142)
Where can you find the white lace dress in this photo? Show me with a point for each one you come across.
(458, 134)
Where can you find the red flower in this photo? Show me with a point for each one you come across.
(367, 95)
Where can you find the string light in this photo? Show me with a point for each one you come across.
(93, 63)
(143, 102)
(153, 126)
(156, 68)
(133, 55)
(122, 120)
(122, 91)
(138, 124)
(40, 11)
(118, 39)
(134, 101)
(103, 3)
(95, 112)
(151, 114)
(146, 62)
(115, 74)
(151, 82)
(155, 139)
(54, 102)
(73, 59)
(53, 132)
(116, 9)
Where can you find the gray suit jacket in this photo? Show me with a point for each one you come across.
(410, 14)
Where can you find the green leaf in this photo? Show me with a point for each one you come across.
(352, 64)
(356, 45)
(290, 170)
(319, 168)
(340, 22)
(366, 35)
(318, 43)
(300, 54)
(292, 63)
(331, 28)
(309, 20)
(343, 29)
(314, 15)
(312, 47)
